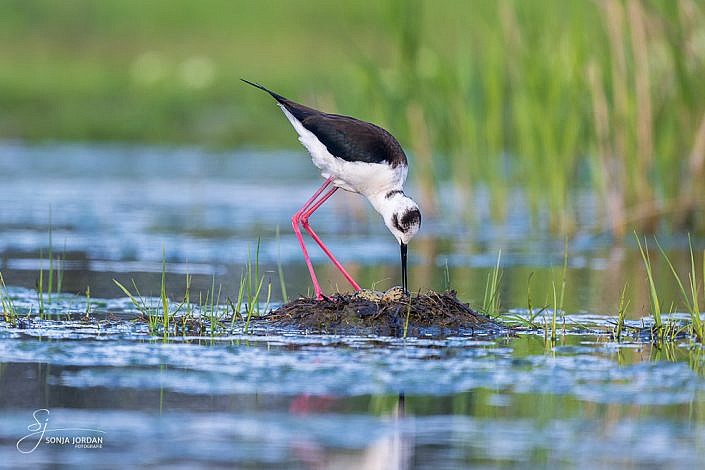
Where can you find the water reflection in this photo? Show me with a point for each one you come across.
(351, 402)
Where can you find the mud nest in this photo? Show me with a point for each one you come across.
(390, 313)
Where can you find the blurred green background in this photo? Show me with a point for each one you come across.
(552, 97)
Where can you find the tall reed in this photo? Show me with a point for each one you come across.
(550, 97)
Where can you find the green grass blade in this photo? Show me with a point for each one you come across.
(655, 304)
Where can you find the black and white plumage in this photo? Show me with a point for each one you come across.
(360, 157)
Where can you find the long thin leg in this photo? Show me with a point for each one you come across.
(318, 192)
(304, 223)
(295, 220)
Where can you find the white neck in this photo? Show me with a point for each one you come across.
(392, 206)
(386, 205)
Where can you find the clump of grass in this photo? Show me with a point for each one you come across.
(153, 314)
(491, 301)
(211, 308)
(163, 297)
(140, 303)
(558, 299)
(621, 312)
(8, 306)
(523, 320)
(653, 293)
(690, 299)
(88, 302)
(690, 296)
(237, 305)
(530, 304)
(40, 285)
(53, 282)
(188, 314)
(555, 313)
(253, 284)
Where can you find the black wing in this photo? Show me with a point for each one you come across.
(354, 140)
(345, 137)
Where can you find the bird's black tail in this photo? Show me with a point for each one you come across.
(276, 96)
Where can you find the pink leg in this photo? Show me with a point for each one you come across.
(304, 223)
(295, 220)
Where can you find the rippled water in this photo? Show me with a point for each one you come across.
(278, 398)
(281, 398)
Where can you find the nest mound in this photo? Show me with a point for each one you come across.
(391, 313)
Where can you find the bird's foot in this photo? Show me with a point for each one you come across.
(321, 296)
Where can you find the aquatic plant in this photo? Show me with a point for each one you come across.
(159, 317)
(555, 313)
(690, 299)
(237, 305)
(8, 306)
(55, 274)
(253, 283)
(211, 309)
(621, 312)
(39, 287)
(527, 320)
(558, 299)
(188, 313)
(491, 301)
(163, 297)
(88, 301)
(653, 293)
(140, 303)
(530, 305)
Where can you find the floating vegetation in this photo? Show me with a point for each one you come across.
(390, 313)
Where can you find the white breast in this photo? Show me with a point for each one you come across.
(359, 177)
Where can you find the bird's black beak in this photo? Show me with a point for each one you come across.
(404, 280)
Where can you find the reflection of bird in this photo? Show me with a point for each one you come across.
(359, 157)
(391, 447)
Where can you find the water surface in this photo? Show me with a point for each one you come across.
(275, 398)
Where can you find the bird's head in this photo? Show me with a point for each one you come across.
(401, 216)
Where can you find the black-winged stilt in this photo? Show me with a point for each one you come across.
(359, 157)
